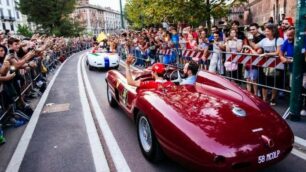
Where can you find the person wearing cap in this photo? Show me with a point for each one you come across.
(190, 70)
(158, 71)
(286, 24)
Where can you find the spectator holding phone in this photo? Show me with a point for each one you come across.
(18, 63)
(4, 67)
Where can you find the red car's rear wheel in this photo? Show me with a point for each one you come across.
(147, 140)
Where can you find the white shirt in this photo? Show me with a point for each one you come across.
(269, 45)
(189, 80)
(233, 45)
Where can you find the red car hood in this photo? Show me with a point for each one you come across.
(211, 124)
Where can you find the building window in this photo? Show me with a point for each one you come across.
(0, 2)
(8, 2)
(3, 26)
(10, 13)
(12, 27)
(1, 12)
(17, 14)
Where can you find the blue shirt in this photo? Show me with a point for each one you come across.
(189, 80)
(175, 39)
(288, 50)
(211, 37)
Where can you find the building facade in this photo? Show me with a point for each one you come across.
(10, 16)
(240, 12)
(96, 19)
(262, 10)
(112, 19)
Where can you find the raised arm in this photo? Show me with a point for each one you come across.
(130, 59)
(20, 63)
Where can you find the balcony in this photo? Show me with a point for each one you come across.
(8, 18)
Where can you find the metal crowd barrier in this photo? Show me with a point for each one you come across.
(50, 62)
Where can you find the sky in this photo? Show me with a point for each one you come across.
(114, 4)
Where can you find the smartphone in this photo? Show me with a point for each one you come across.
(11, 51)
(12, 69)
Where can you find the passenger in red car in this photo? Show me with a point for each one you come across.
(158, 71)
(190, 71)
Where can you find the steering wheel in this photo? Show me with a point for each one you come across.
(176, 76)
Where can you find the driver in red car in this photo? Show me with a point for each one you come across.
(158, 71)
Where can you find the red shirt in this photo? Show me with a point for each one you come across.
(154, 84)
(195, 35)
(281, 32)
(94, 51)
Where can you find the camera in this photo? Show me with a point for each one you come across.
(30, 49)
(12, 69)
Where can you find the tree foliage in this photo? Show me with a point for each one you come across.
(195, 12)
(24, 30)
(51, 15)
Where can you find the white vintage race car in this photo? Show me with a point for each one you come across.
(102, 60)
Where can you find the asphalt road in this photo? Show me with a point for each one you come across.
(124, 131)
(51, 147)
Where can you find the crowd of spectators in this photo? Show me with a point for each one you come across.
(267, 41)
(24, 63)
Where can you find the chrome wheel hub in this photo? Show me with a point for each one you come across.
(145, 134)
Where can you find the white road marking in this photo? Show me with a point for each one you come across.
(300, 141)
(298, 153)
(113, 147)
(95, 144)
(24, 141)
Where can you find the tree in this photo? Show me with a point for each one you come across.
(67, 28)
(194, 12)
(24, 30)
(51, 15)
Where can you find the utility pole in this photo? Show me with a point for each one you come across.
(121, 15)
(296, 98)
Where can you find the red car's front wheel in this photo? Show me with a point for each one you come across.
(111, 100)
(147, 140)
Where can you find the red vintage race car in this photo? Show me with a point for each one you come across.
(213, 125)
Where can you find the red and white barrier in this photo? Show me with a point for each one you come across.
(254, 60)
